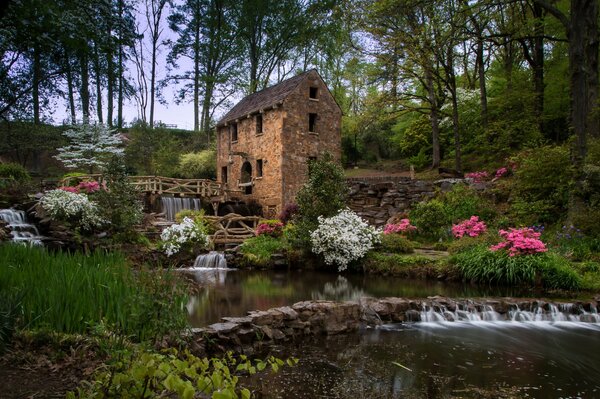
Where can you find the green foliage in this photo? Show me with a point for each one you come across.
(10, 304)
(324, 194)
(542, 184)
(157, 151)
(421, 160)
(14, 171)
(430, 218)
(590, 275)
(145, 374)
(265, 287)
(197, 216)
(119, 203)
(395, 243)
(72, 292)
(257, 250)
(467, 242)
(198, 165)
(405, 266)
(479, 264)
(412, 136)
(463, 202)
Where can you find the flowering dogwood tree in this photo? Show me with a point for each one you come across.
(91, 147)
(343, 238)
(185, 234)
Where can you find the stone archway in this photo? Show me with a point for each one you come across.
(246, 177)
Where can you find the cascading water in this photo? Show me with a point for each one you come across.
(21, 230)
(172, 205)
(211, 260)
(547, 313)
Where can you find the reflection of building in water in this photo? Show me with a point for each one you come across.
(341, 290)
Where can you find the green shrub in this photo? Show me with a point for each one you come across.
(324, 194)
(73, 292)
(395, 243)
(405, 266)
(146, 374)
(198, 165)
(10, 306)
(479, 264)
(542, 184)
(257, 251)
(14, 171)
(467, 242)
(463, 202)
(430, 218)
(120, 203)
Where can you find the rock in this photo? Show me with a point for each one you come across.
(238, 320)
(224, 328)
(261, 318)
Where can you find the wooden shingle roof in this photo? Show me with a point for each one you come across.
(263, 99)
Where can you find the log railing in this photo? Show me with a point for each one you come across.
(166, 185)
(232, 228)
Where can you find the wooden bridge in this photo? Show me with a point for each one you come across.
(205, 188)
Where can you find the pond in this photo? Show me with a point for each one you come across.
(418, 360)
(227, 292)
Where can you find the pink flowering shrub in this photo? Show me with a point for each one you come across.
(83, 187)
(501, 172)
(88, 186)
(522, 241)
(478, 177)
(69, 189)
(472, 227)
(403, 227)
(271, 228)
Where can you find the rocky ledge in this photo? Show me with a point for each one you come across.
(250, 333)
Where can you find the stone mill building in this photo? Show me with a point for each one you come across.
(265, 141)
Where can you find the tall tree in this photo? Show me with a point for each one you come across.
(154, 18)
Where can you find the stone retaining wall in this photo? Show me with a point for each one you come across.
(376, 199)
(250, 333)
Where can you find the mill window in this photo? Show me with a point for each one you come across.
(313, 93)
(234, 132)
(259, 168)
(259, 124)
(312, 123)
(224, 174)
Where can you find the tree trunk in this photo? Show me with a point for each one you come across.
(70, 89)
(538, 67)
(37, 77)
(98, 74)
(85, 90)
(482, 86)
(120, 70)
(152, 84)
(197, 68)
(591, 53)
(206, 104)
(434, 119)
(110, 80)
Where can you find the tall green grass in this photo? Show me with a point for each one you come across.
(73, 292)
(479, 264)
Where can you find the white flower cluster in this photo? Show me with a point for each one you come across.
(90, 146)
(343, 238)
(72, 207)
(179, 235)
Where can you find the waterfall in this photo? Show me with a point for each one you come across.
(172, 205)
(21, 231)
(471, 313)
(211, 260)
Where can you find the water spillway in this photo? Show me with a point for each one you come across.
(172, 205)
(211, 260)
(21, 230)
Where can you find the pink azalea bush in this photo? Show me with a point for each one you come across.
(403, 227)
(524, 241)
(472, 227)
(478, 177)
(501, 172)
(83, 187)
(270, 228)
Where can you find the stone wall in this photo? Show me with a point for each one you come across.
(298, 143)
(376, 199)
(248, 334)
(284, 146)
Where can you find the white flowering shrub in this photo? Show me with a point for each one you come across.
(188, 233)
(343, 238)
(90, 148)
(72, 207)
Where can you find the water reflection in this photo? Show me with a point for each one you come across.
(505, 361)
(225, 292)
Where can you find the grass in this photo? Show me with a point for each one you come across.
(73, 292)
(406, 266)
(257, 251)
